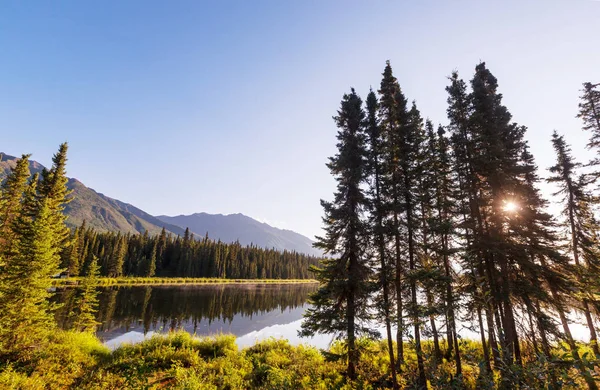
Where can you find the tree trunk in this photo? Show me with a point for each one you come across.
(437, 353)
(575, 244)
(398, 284)
(385, 286)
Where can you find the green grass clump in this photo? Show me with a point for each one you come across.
(61, 361)
(178, 360)
(279, 365)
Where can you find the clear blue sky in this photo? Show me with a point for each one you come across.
(187, 106)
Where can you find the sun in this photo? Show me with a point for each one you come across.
(510, 206)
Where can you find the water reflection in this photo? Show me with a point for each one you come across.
(130, 314)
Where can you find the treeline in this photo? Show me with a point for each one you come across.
(167, 255)
(431, 225)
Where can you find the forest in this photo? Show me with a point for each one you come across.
(432, 225)
(167, 256)
(432, 231)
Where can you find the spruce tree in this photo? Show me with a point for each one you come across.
(70, 256)
(471, 227)
(117, 258)
(87, 303)
(549, 275)
(378, 219)
(11, 198)
(25, 311)
(488, 152)
(411, 140)
(393, 118)
(574, 200)
(589, 112)
(444, 229)
(341, 304)
(53, 187)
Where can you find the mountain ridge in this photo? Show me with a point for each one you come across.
(242, 228)
(104, 213)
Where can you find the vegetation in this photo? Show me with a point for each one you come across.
(181, 361)
(166, 256)
(455, 228)
(427, 228)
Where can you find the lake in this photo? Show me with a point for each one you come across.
(251, 312)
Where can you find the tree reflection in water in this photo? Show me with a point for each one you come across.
(201, 309)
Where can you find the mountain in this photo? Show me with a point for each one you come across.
(99, 211)
(104, 213)
(107, 214)
(246, 230)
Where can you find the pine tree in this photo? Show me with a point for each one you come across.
(574, 199)
(117, 258)
(11, 196)
(549, 274)
(150, 260)
(443, 228)
(471, 227)
(341, 305)
(71, 254)
(53, 187)
(87, 304)
(24, 307)
(488, 151)
(589, 112)
(393, 118)
(378, 219)
(411, 160)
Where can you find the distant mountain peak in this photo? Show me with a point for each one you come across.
(245, 229)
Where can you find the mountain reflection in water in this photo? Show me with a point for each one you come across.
(251, 312)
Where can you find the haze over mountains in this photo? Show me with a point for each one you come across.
(104, 213)
(232, 227)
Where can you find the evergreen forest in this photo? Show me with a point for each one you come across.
(434, 225)
(167, 256)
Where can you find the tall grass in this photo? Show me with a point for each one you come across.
(178, 360)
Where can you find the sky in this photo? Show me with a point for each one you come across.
(225, 107)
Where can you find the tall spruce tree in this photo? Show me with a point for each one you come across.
(471, 227)
(341, 304)
(25, 311)
(378, 220)
(549, 279)
(53, 187)
(393, 118)
(574, 199)
(443, 227)
(411, 140)
(488, 150)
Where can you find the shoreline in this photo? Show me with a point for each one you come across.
(132, 281)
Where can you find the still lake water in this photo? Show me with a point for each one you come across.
(251, 312)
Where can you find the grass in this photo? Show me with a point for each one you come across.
(71, 360)
(131, 280)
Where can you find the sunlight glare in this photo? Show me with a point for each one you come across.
(510, 206)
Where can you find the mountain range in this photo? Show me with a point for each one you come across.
(104, 213)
